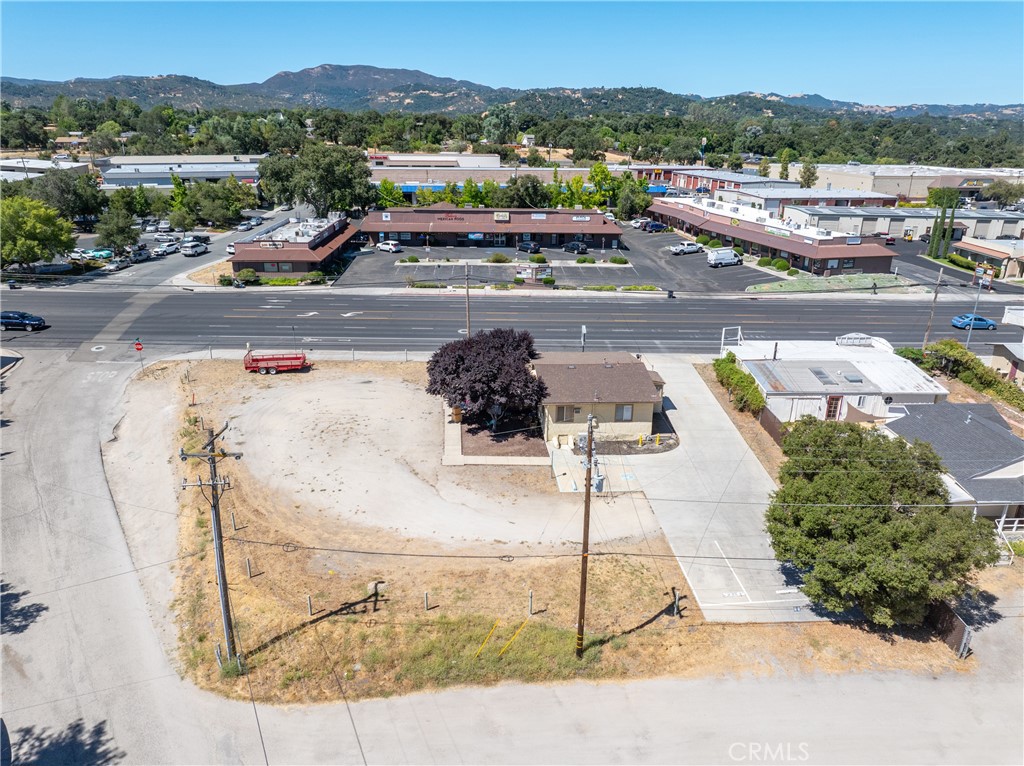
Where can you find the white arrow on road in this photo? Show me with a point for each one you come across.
(352, 313)
(310, 314)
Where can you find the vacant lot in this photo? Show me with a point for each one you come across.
(341, 487)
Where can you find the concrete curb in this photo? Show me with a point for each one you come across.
(452, 453)
(9, 360)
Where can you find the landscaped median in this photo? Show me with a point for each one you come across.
(859, 283)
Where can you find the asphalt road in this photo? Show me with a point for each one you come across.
(180, 320)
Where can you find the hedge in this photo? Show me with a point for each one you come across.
(746, 396)
(315, 277)
(703, 239)
(738, 250)
(715, 243)
(639, 288)
(412, 259)
(600, 288)
(764, 261)
(952, 358)
(548, 280)
(538, 259)
(780, 264)
(792, 272)
(585, 259)
(499, 258)
(618, 259)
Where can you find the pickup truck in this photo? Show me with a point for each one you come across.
(271, 364)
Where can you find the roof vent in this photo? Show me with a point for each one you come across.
(572, 366)
(853, 377)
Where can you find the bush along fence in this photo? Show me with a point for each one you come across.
(950, 356)
(746, 396)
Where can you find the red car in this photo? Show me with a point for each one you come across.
(890, 240)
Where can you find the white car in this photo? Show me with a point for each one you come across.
(389, 246)
(230, 248)
(166, 248)
(117, 265)
(636, 223)
(163, 226)
(165, 238)
(243, 226)
(685, 248)
(150, 228)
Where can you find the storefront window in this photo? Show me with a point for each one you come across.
(848, 263)
(833, 263)
(285, 266)
(270, 267)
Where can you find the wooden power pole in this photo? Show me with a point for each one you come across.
(581, 620)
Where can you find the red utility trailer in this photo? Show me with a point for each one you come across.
(271, 364)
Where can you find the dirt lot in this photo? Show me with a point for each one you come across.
(341, 487)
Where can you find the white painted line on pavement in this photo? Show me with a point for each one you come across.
(726, 560)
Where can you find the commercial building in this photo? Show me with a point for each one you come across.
(21, 168)
(776, 200)
(907, 221)
(294, 247)
(711, 181)
(760, 233)
(446, 225)
(156, 171)
(908, 182)
(1005, 256)
(464, 160)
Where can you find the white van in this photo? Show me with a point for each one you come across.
(190, 249)
(723, 256)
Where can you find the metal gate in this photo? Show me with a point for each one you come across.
(951, 628)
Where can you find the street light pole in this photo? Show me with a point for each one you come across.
(974, 313)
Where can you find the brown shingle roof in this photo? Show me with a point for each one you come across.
(446, 218)
(576, 378)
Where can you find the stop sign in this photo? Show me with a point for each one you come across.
(138, 346)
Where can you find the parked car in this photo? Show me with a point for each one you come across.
(230, 249)
(139, 256)
(610, 216)
(100, 254)
(654, 227)
(389, 246)
(118, 264)
(638, 223)
(21, 320)
(165, 238)
(723, 256)
(196, 238)
(192, 249)
(167, 248)
(243, 226)
(685, 248)
(164, 226)
(963, 321)
(926, 238)
(150, 228)
(529, 247)
(575, 247)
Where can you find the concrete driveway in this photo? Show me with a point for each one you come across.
(709, 496)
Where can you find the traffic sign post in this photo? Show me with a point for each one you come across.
(138, 347)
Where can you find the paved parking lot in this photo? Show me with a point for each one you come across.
(650, 263)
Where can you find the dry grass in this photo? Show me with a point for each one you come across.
(362, 648)
(210, 274)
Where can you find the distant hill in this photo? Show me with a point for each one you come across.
(358, 88)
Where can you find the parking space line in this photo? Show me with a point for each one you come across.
(728, 564)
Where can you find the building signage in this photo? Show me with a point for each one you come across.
(776, 232)
(450, 217)
(581, 218)
(734, 221)
(853, 240)
(385, 216)
(538, 216)
(501, 216)
(270, 245)
(474, 235)
(974, 183)
(377, 156)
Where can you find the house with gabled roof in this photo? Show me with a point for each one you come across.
(982, 458)
(616, 388)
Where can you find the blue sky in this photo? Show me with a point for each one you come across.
(871, 52)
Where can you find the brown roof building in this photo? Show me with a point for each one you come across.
(293, 247)
(446, 225)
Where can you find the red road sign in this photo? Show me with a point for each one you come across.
(138, 346)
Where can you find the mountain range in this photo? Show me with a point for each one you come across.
(358, 88)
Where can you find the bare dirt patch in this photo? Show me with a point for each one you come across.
(341, 487)
(211, 274)
(761, 444)
(512, 439)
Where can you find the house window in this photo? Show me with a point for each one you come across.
(832, 407)
(847, 263)
(563, 414)
(270, 267)
(623, 413)
(833, 263)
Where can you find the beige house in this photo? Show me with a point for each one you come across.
(615, 387)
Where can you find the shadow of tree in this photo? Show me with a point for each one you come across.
(77, 744)
(977, 609)
(16, 617)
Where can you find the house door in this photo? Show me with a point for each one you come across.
(499, 240)
(832, 407)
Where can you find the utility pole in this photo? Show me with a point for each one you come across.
(469, 330)
(967, 343)
(931, 316)
(581, 620)
(211, 454)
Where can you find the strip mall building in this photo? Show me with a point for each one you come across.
(758, 232)
(446, 225)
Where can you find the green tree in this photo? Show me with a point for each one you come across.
(472, 194)
(633, 200)
(764, 168)
(535, 159)
(734, 162)
(948, 235)
(115, 230)
(182, 219)
(72, 195)
(389, 194)
(787, 156)
(179, 194)
(865, 518)
(1003, 192)
(943, 196)
(500, 125)
(277, 178)
(106, 139)
(31, 231)
(332, 178)
(606, 186)
(808, 175)
(524, 192)
(934, 244)
(490, 191)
